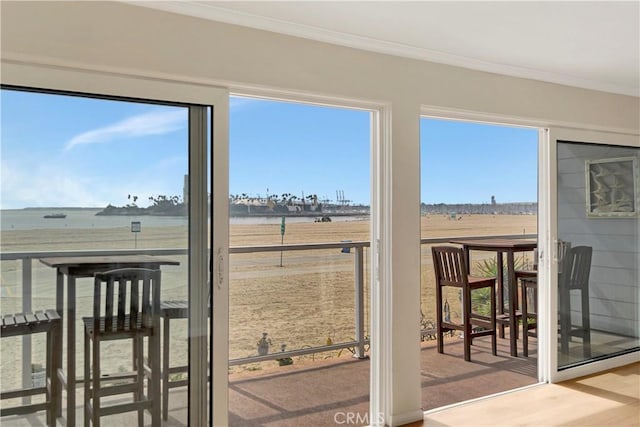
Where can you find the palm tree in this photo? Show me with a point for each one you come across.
(481, 298)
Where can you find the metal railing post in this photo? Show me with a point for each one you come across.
(26, 339)
(359, 301)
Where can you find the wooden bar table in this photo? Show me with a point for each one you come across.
(76, 267)
(510, 247)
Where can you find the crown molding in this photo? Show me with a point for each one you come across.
(209, 11)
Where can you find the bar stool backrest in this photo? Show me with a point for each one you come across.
(563, 248)
(449, 265)
(576, 267)
(126, 299)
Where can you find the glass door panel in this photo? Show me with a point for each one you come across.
(103, 177)
(299, 263)
(598, 252)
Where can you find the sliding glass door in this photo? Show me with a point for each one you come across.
(115, 167)
(596, 252)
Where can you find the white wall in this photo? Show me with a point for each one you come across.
(614, 285)
(124, 38)
(121, 36)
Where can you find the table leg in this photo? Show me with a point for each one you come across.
(59, 338)
(513, 298)
(467, 258)
(500, 280)
(71, 350)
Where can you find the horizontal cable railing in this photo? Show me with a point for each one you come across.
(14, 256)
(8, 256)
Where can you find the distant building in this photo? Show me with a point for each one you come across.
(519, 208)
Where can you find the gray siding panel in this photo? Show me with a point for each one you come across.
(615, 277)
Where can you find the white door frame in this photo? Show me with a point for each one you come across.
(549, 134)
(379, 228)
(543, 202)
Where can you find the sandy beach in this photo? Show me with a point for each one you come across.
(307, 301)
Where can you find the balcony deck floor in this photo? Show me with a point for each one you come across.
(322, 392)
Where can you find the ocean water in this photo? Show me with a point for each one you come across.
(33, 219)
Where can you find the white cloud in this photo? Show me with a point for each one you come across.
(153, 123)
(48, 185)
(45, 185)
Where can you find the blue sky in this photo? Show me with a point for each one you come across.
(71, 151)
(297, 148)
(464, 162)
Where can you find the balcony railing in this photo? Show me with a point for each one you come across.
(358, 344)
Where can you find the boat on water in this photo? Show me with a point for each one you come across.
(55, 216)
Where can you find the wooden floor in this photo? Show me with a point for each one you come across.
(611, 398)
